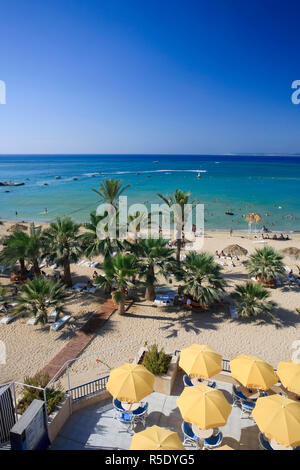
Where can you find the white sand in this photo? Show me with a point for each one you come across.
(29, 348)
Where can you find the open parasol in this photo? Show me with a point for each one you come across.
(253, 218)
(235, 250)
(17, 228)
(291, 251)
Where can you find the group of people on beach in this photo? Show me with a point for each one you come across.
(227, 257)
(275, 237)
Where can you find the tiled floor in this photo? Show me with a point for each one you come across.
(94, 427)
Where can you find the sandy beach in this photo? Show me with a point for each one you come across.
(30, 348)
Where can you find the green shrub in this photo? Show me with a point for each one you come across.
(54, 395)
(156, 361)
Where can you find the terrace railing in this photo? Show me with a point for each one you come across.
(88, 389)
(98, 385)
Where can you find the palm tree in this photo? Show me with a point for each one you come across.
(92, 245)
(265, 263)
(35, 248)
(24, 247)
(202, 278)
(39, 296)
(178, 200)
(118, 271)
(110, 190)
(15, 250)
(252, 300)
(63, 245)
(5, 295)
(154, 257)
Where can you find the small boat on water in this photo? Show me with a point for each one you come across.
(10, 183)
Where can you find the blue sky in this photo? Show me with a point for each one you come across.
(133, 76)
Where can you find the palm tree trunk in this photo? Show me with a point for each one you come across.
(150, 293)
(67, 274)
(22, 265)
(121, 308)
(178, 249)
(36, 268)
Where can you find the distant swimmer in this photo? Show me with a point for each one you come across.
(46, 210)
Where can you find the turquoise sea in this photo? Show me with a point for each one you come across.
(240, 184)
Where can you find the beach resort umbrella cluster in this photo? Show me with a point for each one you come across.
(201, 405)
(204, 406)
(277, 417)
(235, 250)
(200, 360)
(253, 372)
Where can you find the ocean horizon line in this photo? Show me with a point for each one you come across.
(154, 154)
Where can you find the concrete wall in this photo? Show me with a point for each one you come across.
(58, 418)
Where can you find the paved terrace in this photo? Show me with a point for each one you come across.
(94, 427)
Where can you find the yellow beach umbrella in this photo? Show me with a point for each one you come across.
(204, 406)
(130, 383)
(289, 374)
(253, 372)
(199, 360)
(156, 438)
(226, 447)
(279, 419)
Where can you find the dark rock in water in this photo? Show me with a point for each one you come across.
(10, 183)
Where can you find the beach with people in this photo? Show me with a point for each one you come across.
(29, 348)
